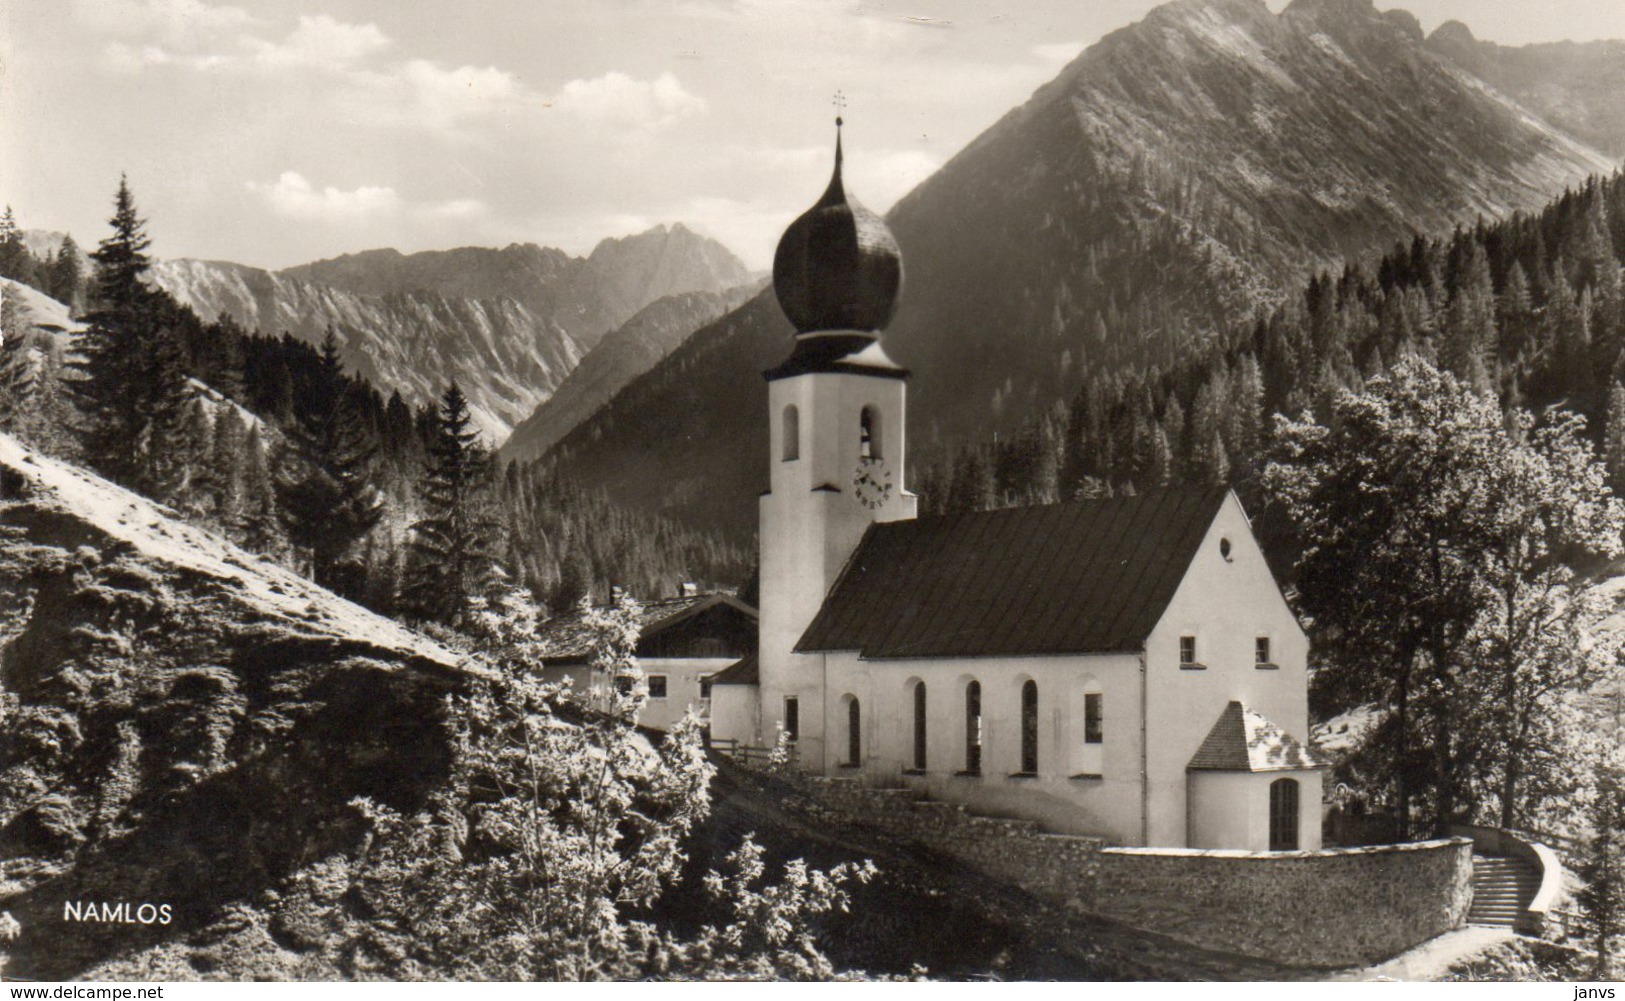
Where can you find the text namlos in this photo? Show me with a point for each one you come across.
(122, 912)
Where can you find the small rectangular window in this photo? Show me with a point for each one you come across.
(705, 688)
(1187, 650)
(792, 717)
(657, 686)
(1261, 655)
(1093, 731)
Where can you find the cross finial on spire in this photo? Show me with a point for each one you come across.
(840, 105)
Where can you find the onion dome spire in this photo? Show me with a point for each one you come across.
(837, 267)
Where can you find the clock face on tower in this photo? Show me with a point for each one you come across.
(872, 483)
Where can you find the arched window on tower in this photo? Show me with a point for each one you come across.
(792, 433)
(973, 728)
(869, 433)
(1029, 728)
(919, 726)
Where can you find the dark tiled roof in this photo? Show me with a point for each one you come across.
(1244, 741)
(1084, 577)
(567, 638)
(741, 672)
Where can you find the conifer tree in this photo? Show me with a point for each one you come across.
(134, 392)
(227, 464)
(453, 546)
(65, 278)
(15, 260)
(257, 526)
(1603, 866)
(326, 493)
(16, 374)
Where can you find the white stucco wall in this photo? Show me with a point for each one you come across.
(683, 676)
(1107, 805)
(734, 715)
(1226, 604)
(1231, 810)
(808, 534)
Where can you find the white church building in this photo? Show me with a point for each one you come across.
(1124, 667)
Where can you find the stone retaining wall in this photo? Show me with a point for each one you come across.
(1337, 907)
(1333, 908)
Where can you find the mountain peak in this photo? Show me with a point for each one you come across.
(1452, 33)
(1336, 8)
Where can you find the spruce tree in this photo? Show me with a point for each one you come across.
(134, 393)
(65, 278)
(257, 525)
(226, 466)
(15, 260)
(1603, 866)
(326, 493)
(16, 373)
(453, 545)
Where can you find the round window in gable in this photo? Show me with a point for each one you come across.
(1224, 549)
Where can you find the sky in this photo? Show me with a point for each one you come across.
(275, 132)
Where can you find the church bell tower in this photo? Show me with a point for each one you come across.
(836, 406)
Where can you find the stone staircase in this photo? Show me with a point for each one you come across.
(1503, 887)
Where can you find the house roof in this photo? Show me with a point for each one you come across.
(745, 671)
(1244, 741)
(566, 638)
(1084, 577)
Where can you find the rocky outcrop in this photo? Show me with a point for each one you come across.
(182, 724)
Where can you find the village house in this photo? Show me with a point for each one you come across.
(1122, 667)
(682, 643)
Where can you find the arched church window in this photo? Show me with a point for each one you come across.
(854, 732)
(1029, 728)
(792, 433)
(869, 433)
(973, 728)
(919, 726)
(1284, 815)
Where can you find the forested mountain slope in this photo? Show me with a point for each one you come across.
(1178, 176)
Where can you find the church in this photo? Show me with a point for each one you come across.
(1124, 667)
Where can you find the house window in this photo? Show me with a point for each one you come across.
(623, 685)
(792, 433)
(792, 718)
(869, 433)
(1187, 651)
(1029, 728)
(1284, 815)
(973, 728)
(919, 726)
(657, 686)
(705, 688)
(1093, 732)
(854, 732)
(1261, 652)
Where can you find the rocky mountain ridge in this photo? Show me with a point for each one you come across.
(1177, 176)
(507, 324)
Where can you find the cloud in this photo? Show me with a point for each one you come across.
(292, 196)
(296, 198)
(455, 210)
(618, 99)
(1058, 52)
(322, 41)
(185, 25)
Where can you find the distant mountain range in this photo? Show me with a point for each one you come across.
(1177, 176)
(509, 325)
